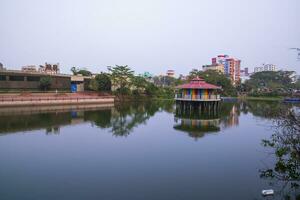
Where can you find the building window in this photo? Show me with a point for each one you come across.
(16, 78)
(33, 78)
(2, 78)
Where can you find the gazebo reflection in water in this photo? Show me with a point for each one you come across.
(197, 124)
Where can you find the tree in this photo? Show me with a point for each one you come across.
(139, 83)
(104, 82)
(82, 71)
(45, 83)
(285, 143)
(271, 83)
(121, 77)
(74, 70)
(151, 89)
(216, 78)
(101, 83)
(93, 85)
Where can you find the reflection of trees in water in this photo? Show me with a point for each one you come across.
(285, 146)
(49, 121)
(124, 117)
(100, 118)
(264, 109)
(121, 119)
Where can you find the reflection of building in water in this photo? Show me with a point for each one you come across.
(197, 128)
(198, 123)
(195, 122)
(51, 118)
(232, 119)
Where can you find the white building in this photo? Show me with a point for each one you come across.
(170, 73)
(294, 77)
(265, 67)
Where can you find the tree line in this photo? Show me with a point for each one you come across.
(121, 80)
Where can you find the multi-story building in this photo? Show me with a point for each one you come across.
(171, 73)
(244, 72)
(232, 67)
(265, 67)
(216, 67)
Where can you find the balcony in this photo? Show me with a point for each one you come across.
(213, 97)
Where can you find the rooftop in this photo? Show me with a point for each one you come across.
(198, 83)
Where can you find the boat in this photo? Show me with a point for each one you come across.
(267, 192)
(292, 99)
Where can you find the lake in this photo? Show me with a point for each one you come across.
(138, 150)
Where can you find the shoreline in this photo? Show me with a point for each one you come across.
(54, 99)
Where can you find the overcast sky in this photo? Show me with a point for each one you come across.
(152, 35)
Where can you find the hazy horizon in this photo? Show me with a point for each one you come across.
(148, 35)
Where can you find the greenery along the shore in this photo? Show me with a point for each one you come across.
(122, 81)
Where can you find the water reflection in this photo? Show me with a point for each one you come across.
(120, 119)
(239, 153)
(197, 123)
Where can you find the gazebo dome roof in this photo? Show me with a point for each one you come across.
(198, 83)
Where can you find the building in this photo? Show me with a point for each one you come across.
(245, 72)
(294, 77)
(198, 90)
(215, 67)
(80, 83)
(49, 68)
(265, 67)
(29, 68)
(232, 67)
(244, 75)
(182, 77)
(171, 73)
(148, 76)
(17, 80)
(1, 67)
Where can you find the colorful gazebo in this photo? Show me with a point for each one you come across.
(197, 90)
(198, 95)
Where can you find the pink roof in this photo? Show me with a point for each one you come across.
(198, 83)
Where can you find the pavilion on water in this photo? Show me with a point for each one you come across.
(199, 94)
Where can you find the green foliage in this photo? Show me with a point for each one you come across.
(285, 143)
(216, 78)
(269, 83)
(163, 81)
(93, 85)
(121, 78)
(139, 84)
(101, 83)
(45, 83)
(151, 89)
(83, 72)
(297, 85)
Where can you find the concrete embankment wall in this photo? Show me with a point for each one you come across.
(67, 99)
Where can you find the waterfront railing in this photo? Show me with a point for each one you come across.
(198, 97)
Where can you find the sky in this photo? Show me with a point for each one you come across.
(152, 35)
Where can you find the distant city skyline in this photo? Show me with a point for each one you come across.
(151, 36)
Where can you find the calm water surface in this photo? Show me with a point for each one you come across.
(137, 151)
